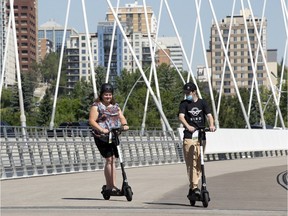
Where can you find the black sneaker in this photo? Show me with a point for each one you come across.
(191, 195)
(115, 191)
(190, 192)
(196, 191)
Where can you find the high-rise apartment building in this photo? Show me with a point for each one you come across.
(2, 30)
(45, 46)
(25, 12)
(78, 59)
(54, 32)
(105, 35)
(134, 16)
(238, 52)
(175, 52)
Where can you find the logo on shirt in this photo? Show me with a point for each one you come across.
(195, 111)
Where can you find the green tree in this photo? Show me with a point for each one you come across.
(28, 86)
(45, 110)
(84, 92)
(66, 110)
(48, 69)
(6, 97)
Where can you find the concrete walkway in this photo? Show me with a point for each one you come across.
(236, 187)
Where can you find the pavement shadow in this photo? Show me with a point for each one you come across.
(168, 204)
(94, 199)
(75, 198)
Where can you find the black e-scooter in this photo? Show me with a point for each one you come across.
(126, 190)
(204, 194)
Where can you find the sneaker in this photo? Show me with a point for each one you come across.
(196, 191)
(115, 191)
(191, 195)
(190, 192)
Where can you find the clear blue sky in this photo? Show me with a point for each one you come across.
(184, 15)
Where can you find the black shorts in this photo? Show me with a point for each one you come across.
(106, 149)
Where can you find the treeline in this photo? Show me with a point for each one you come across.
(75, 105)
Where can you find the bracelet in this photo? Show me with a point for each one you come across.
(124, 125)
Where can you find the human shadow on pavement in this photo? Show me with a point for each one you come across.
(76, 198)
(171, 204)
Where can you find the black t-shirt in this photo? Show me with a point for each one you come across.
(195, 113)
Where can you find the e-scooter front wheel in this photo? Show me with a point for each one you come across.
(205, 199)
(128, 193)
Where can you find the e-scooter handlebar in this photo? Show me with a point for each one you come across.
(117, 130)
(203, 129)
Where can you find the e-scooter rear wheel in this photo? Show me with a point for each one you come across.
(128, 193)
(205, 199)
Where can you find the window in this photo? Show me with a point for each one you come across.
(251, 38)
(260, 75)
(227, 75)
(217, 61)
(218, 76)
(225, 31)
(217, 38)
(226, 90)
(218, 68)
(217, 53)
(226, 83)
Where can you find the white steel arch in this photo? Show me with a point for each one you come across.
(197, 29)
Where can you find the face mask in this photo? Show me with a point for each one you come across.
(189, 97)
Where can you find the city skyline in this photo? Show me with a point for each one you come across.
(96, 12)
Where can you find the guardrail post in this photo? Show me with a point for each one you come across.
(51, 157)
(32, 159)
(22, 160)
(42, 158)
(70, 160)
(86, 155)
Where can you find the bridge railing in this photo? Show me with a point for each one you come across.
(42, 153)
